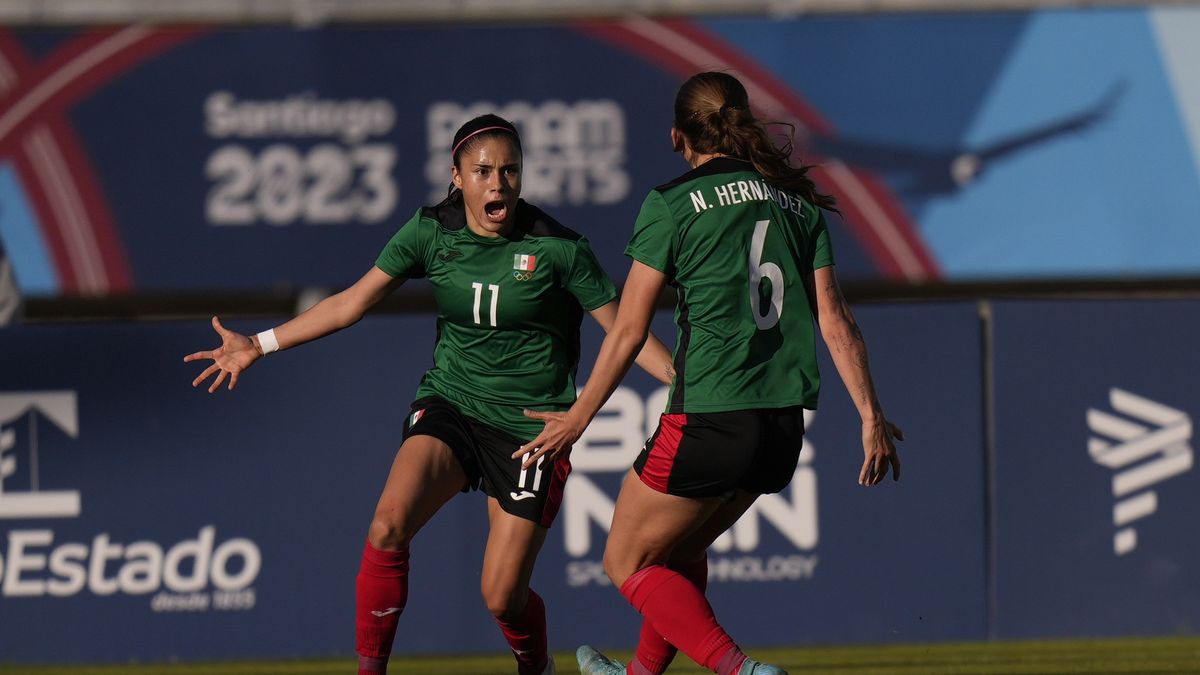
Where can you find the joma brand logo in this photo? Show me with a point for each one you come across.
(1145, 446)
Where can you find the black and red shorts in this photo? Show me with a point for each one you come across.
(715, 454)
(485, 454)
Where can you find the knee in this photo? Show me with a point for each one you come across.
(502, 602)
(620, 567)
(387, 534)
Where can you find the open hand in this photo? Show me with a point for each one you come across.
(236, 353)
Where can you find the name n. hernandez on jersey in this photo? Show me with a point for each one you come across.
(741, 191)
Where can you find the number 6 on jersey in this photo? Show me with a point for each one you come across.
(758, 270)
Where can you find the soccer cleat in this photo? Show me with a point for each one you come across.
(752, 667)
(550, 667)
(592, 662)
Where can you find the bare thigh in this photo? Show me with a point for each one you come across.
(512, 548)
(695, 545)
(648, 525)
(424, 476)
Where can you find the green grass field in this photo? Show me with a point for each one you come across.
(1148, 656)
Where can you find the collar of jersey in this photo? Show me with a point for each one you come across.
(513, 235)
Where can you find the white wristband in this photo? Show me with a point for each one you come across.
(267, 341)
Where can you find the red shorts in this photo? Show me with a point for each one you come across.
(715, 454)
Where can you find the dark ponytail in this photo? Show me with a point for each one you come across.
(712, 110)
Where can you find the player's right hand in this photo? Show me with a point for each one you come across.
(236, 353)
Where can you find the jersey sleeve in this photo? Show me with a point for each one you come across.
(586, 280)
(404, 254)
(653, 241)
(822, 249)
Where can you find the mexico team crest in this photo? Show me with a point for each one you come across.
(523, 266)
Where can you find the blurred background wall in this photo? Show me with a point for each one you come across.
(1019, 186)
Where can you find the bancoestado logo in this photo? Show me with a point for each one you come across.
(574, 153)
(1146, 443)
(610, 445)
(194, 574)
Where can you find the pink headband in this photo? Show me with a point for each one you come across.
(473, 133)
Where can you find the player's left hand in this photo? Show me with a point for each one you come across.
(879, 452)
(556, 439)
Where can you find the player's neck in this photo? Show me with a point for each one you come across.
(696, 159)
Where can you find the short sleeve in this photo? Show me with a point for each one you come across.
(586, 280)
(404, 254)
(822, 249)
(653, 241)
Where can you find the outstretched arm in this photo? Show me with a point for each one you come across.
(849, 351)
(623, 341)
(654, 358)
(238, 352)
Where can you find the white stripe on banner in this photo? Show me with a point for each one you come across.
(1177, 29)
(8, 76)
(70, 71)
(63, 195)
(877, 218)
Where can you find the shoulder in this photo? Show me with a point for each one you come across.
(535, 222)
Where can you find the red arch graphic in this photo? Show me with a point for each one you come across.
(36, 136)
(870, 210)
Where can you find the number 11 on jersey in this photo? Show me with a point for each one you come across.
(494, 293)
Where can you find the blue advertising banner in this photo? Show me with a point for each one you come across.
(1094, 506)
(805, 565)
(152, 521)
(152, 158)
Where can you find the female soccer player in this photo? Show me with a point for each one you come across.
(743, 238)
(511, 286)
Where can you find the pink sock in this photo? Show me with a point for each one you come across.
(526, 636)
(654, 654)
(381, 590)
(680, 614)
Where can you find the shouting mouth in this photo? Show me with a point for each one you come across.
(496, 211)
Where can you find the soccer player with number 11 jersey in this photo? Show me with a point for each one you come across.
(511, 286)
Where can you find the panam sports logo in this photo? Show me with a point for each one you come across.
(574, 153)
(1146, 443)
(195, 574)
(609, 447)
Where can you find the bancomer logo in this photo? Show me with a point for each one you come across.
(1145, 444)
(610, 445)
(191, 575)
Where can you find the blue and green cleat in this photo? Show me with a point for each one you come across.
(752, 667)
(592, 662)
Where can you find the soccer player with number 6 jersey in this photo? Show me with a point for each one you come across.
(742, 237)
(511, 286)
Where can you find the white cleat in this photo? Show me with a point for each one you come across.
(592, 662)
(752, 667)
(550, 667)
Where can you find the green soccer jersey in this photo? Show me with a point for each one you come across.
(509, 310)
(736, 248)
